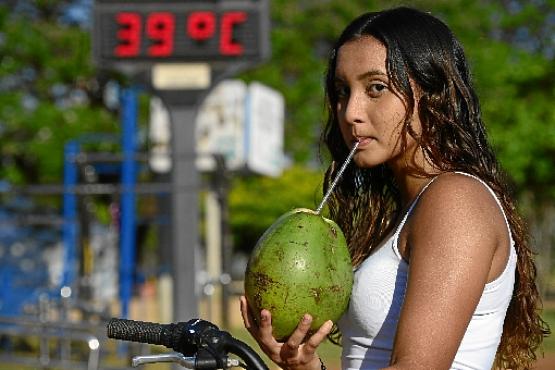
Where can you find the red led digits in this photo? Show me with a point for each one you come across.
(159, 36)
(228, 46)
(201, 25)
(160, 29)
(129, 35)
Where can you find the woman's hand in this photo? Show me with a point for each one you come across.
(293, 354)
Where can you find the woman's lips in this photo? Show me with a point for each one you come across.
(364, 141)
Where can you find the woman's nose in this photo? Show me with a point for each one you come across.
(354, 111)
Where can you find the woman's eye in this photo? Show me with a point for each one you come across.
(376, 89)
(341, 91)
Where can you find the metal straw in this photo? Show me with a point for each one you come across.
(341, 170)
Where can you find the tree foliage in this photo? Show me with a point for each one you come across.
(256, 202)
(510, 47)
(50, 92)
(511, 52)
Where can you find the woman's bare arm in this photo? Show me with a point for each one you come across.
(451, 240)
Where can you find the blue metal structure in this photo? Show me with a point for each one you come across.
(128, 169)
(21, 283)
(128, 180)
(70, 231)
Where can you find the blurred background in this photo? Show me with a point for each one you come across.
(91, 193)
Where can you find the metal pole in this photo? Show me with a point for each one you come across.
(128, 179)
(226, 244)
(185, 187)
(213, 254)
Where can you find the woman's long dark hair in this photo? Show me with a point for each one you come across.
(366, 201)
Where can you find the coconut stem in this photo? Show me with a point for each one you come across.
(341, 170)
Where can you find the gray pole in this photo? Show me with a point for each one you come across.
(185, 187)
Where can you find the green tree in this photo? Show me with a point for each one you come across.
(256, 202)
(514, 80)
(49, 93)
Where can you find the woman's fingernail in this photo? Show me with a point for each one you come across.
(307, 318)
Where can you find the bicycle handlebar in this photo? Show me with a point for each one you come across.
(168, 335)
(192, 337)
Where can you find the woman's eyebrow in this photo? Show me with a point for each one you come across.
(371, 73)
(362, 76)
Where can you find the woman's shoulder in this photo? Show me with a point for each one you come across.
(459, 189)
(457, 202)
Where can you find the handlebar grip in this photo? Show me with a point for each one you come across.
(187, 338)
(142, 332)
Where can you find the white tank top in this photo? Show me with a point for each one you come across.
(369, 325)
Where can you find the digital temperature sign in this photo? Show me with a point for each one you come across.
(179, 31)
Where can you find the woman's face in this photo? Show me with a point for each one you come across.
(368, 109)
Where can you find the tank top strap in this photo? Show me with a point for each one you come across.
(395, 236)
(411, 207)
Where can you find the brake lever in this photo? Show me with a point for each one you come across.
(178, 358)
(188, 362)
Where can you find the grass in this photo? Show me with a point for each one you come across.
(549, 342)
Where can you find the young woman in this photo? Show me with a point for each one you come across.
(444, 278)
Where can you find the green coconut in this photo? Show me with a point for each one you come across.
(300, 265)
